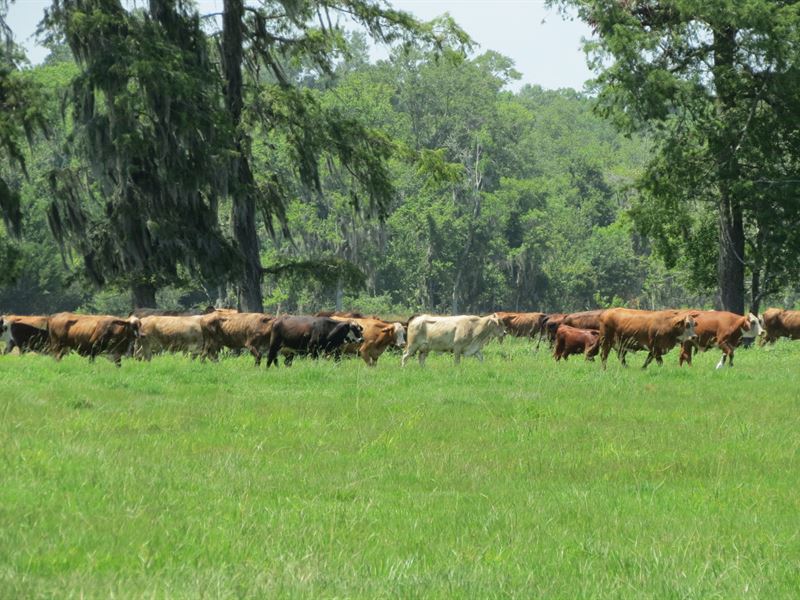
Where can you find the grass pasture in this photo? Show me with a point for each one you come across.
(515, 477)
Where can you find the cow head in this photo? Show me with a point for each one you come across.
(497, 327)
(355, 333)
(686, 326)
(136, 326)
(399, 335)
(753, 327)
(2, 326)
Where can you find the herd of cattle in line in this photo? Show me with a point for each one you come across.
(146, 332)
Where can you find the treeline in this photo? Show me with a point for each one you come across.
(415, 183)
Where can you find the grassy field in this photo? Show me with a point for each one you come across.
(515, 477)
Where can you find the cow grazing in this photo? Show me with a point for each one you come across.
(249, 331)
(657, 331)
(92, 335)
(195, 335)
(378, 336)
(550, 326)
(27, 333)
(779, 323)
(572, 340)
(310, 335)
(463, 335)
(522, 324)
(722, 329)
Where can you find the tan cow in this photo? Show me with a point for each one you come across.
(194, 335)
(463, 335)
(657, 331)
(378, 336)
(722, 329)
(249, 331)
(780, 323)
(92, 335)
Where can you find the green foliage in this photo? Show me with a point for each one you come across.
(714, 85)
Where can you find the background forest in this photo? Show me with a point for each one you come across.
(489, 198)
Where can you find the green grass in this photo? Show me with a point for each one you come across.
(515, 477)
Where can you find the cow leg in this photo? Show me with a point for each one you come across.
(649, 359)
(605, 350)
(686, 354)
(479, 355)
(10, 346)
(457, 356)
(727, 353)
(255, 352)
(422, 356)
(410, 350)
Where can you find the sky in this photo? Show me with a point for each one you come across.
(545, 48)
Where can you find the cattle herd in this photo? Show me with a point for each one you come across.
(146, 332)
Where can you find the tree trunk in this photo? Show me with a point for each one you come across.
(339, 294)
(243, 210)
(144, 295)
(730, 265)
(755, 292)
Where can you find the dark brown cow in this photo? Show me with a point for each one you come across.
(378, 336)
(572, 340)
(310, 335)
(588, 319)
(658, 331)
(522, 324)
(92, 335)
(779, 323)
(27, 333)
(249, 331)
(722, 329)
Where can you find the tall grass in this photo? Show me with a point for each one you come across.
(515, 477)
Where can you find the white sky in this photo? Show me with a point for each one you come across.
(545, 48)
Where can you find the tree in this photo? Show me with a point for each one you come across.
(149, 127)
(266, 39)
(714, 86)
(20, 118)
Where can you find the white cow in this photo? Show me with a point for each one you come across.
(462, 335)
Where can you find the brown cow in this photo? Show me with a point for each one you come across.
(339, 314)
(779, 323)
(522, 324)
(245, 330)
(378, 336)
(91, 335)
(588, 319)
(658, 331)
(27, 333)
(722, 329)
(572, 340)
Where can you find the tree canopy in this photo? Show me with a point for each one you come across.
(715, 86)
